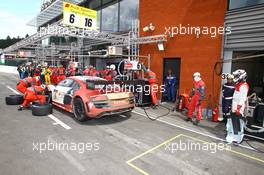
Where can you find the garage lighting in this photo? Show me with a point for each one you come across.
(161, 46)
(145, 29)
(149, 28)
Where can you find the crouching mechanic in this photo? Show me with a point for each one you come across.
(197, 96)
(27, 82)
(34, 94)
(235, 124)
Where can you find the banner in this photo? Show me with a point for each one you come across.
(77, 16)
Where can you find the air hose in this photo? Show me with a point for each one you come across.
(253, 130)
(257, 149)
(119, 68)
(163, 115)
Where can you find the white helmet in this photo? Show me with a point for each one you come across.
(37, 78)
(43, 86)
(113, 67)
(240, 75)
(197, 76)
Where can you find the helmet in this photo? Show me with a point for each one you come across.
(113, 67)
(43, 86)
(197, 74)
(240, 75)
(37, 78)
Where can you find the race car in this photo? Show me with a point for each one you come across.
(73, 95)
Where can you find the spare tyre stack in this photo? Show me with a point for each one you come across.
(41, 109)
(14, 99)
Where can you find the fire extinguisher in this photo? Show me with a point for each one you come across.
(215, 114)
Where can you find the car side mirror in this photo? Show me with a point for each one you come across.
(67, 99)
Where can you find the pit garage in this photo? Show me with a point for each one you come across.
(244, 49)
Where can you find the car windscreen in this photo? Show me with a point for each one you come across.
(66, 83)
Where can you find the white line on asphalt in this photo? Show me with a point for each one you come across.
(59, 122)
(13, 90)
(70, 158)
(184, 128)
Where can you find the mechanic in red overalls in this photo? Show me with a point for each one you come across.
(54, 75)
(27, 82)
(103, 73)
(197, 96)
(61, 73)
(37, 71)
(71, 71)
(86, 70)
(152, 79)
(33, 94)
(93, 72)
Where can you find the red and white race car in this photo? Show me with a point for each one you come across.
(73, 96)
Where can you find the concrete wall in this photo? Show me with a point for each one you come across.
(8, 69)
(197, 54)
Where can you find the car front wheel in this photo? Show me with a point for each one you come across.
(79, 110)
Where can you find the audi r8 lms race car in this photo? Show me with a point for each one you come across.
(73, 95)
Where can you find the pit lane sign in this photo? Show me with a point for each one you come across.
(77, 16)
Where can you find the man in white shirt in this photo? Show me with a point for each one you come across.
(236, 123)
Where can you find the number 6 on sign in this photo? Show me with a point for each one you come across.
(71, 19)
(72, 16)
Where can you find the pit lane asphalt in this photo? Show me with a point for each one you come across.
(127, 145)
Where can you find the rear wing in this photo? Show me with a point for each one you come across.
(91, 84)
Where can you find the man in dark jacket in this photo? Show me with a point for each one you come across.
(228, 91)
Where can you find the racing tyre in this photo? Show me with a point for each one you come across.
(14, 99)
(79, 110)
(41, 109)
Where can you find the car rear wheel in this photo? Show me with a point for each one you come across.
(79, 110)
(14, 99)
